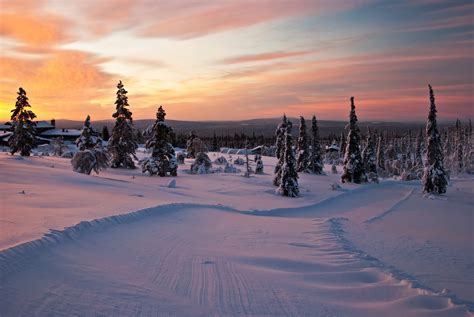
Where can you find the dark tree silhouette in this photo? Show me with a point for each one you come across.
(122, 143)
(22, 139)
(434, 177)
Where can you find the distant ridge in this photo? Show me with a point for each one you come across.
(258, 126)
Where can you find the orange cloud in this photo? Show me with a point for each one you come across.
(33, 30)
(65, 84)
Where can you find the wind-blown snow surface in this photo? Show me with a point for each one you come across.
(226, 245)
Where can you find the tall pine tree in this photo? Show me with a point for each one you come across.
(22, 139)
(353, 166)
(279, 149)
(316, 159)
(162, 160)
(289, 177)
(434, 177)
(122, 143)
(302, 150)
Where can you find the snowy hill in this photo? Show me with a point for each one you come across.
(122, 243)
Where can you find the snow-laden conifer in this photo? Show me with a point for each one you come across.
(315, 164)
(353, 170)
(23, 137)
(122, 143)
(302, 149)
(370, 159)
(289, 176)
(163, 160)
(434, 177)
(279, 149)
(89, 136)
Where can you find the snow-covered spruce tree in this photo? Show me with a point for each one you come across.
(342, 146)
(248, 169)
(302, 149)
(289, 176)
(279, 149)
(89, 136)
(459, 155)
(95, 159)
(370, 159)
(353, 170)
(418, 160)
(315, 164)
(22, 139)
(469, 151)
(380, 153)
(194, 145)
(163, 160)
(105, 133)
(259, 164)
(434, 177)
(122, 143)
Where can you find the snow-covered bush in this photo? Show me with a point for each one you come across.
(86, 161)
(156, 166)
(239, 161)
(220, 160)
(202, 164)
(180, 158)
(59, 147)
(67, 154)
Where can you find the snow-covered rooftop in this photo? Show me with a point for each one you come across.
(62, 132)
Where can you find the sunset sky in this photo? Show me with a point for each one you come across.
(213, 60)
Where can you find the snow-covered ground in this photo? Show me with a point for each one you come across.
(225, 245)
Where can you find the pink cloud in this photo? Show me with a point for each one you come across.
(263, 57)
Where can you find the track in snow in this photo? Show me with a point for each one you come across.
(209, 261)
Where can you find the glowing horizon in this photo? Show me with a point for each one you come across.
(234, 60)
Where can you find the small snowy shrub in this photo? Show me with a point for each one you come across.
(335, 186)
(230, 168)
(160, 166)
(239, 161)
(220, 160)
(67, 154)
(86, 161)
(180, 158)
(202, 164)
(59, 147)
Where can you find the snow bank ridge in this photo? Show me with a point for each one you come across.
(337, 229)
(14, 258)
